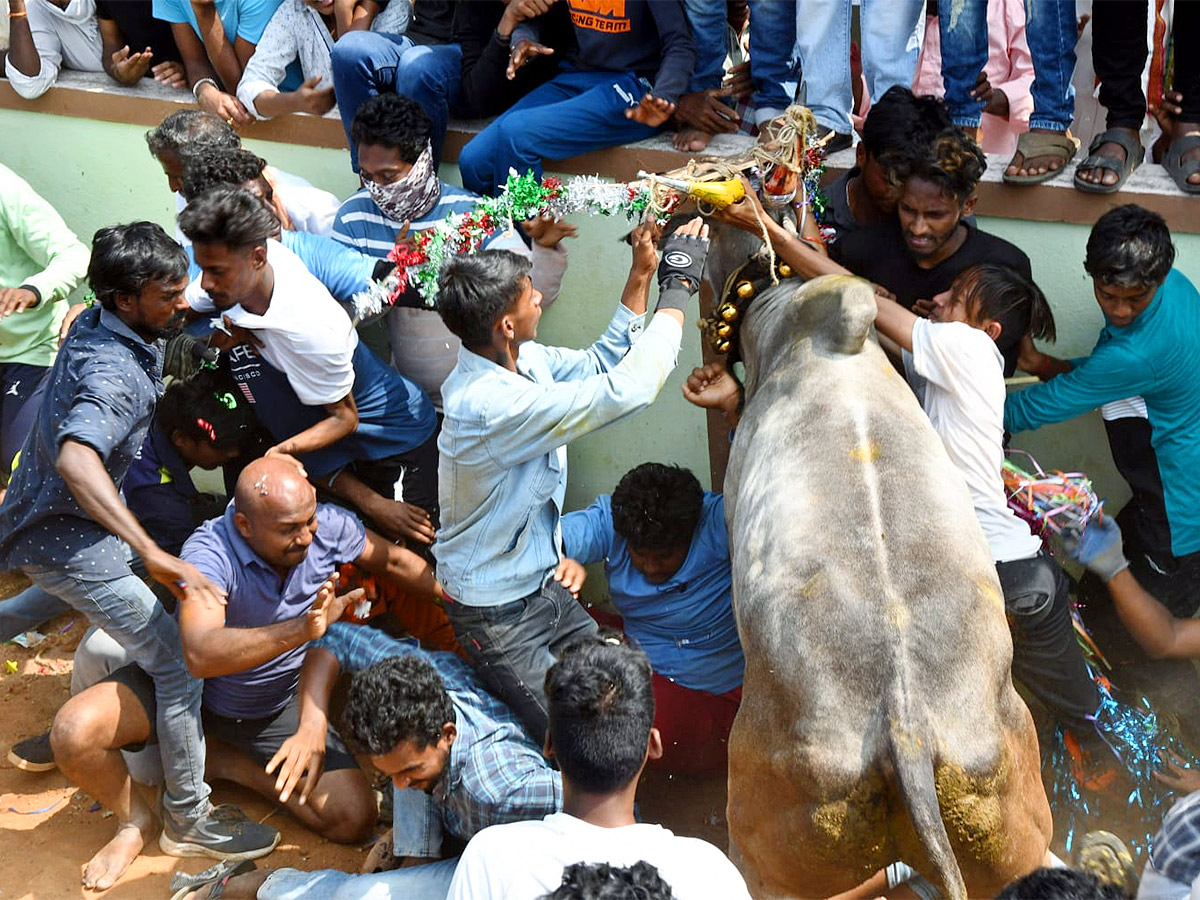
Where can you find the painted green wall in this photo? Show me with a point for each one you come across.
(98, 173)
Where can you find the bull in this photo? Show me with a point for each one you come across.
(879, 720)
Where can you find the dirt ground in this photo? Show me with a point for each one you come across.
(49, 828)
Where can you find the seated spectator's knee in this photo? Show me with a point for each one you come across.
(352, 50)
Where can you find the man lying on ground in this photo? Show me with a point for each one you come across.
(425, 720)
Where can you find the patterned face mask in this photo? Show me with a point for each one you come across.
(413, 195)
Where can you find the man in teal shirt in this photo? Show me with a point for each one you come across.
(41, 261)
(1149, 347)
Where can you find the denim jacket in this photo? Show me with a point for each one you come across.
(503, 470)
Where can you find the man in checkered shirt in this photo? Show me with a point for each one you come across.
(425, 719)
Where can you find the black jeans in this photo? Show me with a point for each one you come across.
(1186, 31)
(1119, 50)
(513, 645)
(1046, 657)
(1143, 519)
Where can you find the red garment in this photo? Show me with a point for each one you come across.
(694, 726)
(423, 619)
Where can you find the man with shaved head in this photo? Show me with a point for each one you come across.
(275, 552)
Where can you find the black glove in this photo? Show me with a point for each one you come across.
(680, 270)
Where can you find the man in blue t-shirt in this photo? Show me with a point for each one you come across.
(273, 553)
(666, 557)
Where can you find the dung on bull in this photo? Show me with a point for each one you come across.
(879, 721)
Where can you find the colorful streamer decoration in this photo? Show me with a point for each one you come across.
(419, 260)
(1052, 501)
(1139, 743)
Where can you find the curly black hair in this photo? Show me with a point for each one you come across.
(398, 699)
(901, 125)
(1062, 884)
(392, 120)
(657, 507)
(475, 290)
(951, 160)
(189, 129)
(207, 409)
(1130, 247)
(601, 704)
(125, 258)
(227, 215)
(600, 881)
(215, 166)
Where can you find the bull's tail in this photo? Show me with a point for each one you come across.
(913, 763)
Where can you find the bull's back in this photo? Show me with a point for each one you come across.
(870, 615)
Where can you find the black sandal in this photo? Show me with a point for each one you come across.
(1134, 154)
(1180, 169)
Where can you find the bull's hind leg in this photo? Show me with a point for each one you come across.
(999, 825)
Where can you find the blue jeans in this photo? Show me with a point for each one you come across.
(575, 112)
(427, 882)
(27, 610)
(709, 34)
(129, 612)
(366, 63)
(772, 57)
(416, 824)
(1050, 32)
(890, 43)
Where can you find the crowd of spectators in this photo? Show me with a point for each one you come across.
(399, 515)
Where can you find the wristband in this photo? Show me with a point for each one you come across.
(19, 14)
(196, 87)
(673, 296)
(32, 290)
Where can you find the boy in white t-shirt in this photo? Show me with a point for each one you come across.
(955, 369)
(601, 714)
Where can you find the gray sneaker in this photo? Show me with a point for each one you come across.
(225, 833)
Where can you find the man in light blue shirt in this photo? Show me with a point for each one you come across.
(511, 407)
(666, 557)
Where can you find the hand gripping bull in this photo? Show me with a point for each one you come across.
(879, 720)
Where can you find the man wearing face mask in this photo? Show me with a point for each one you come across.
(402, 190)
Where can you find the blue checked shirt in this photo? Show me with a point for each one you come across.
(1176, 848)
(496, 774)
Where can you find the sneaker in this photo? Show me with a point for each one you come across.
(225, 833)
(1103, 854)
(33, 754)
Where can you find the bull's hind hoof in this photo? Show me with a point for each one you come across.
(1103, 854)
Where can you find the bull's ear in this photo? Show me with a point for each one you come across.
(852, 312)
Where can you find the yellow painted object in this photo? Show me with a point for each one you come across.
(719, 194)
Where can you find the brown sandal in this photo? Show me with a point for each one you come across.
(1032, 144)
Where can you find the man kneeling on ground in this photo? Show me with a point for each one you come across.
(274, 552)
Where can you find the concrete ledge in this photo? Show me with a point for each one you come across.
(95, 96)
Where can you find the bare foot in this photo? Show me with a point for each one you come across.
(1036, 165)
(691, 140)
(106, 867)
(1108, 150)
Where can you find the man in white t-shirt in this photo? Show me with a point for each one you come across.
(957, 372)
(601, 702)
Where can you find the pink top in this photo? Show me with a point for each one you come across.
(1009, 67)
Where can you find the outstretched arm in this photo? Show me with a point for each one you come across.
(303, 754)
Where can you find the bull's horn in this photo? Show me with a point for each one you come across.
(719, 194)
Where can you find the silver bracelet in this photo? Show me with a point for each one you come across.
(196, 87)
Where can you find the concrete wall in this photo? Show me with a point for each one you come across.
(98, 173)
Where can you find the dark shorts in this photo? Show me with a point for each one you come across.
(257, 738)
(260, 739)
(133, 677)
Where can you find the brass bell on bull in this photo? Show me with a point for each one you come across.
(724, 330)
(728, 312)
(785, 271)
(745, 290)
(723, 347)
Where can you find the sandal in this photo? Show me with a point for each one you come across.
(1134, 154)
(1177, 167)
(1032, 144)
